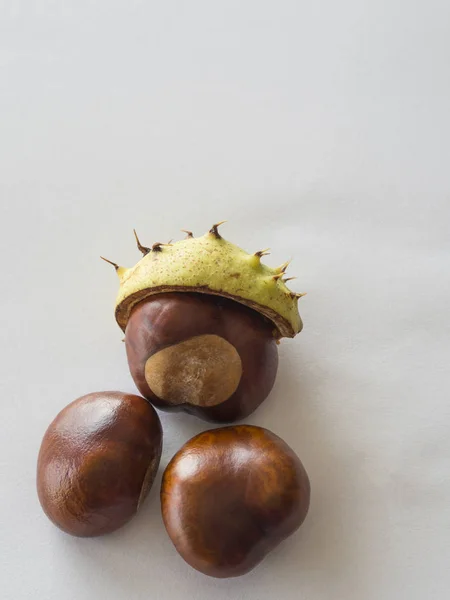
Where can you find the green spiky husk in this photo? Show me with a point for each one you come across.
(210, 265)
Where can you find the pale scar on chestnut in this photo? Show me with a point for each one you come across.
(204, 370)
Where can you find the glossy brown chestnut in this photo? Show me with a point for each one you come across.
(204, 354)
(97, 462)
(230, 495)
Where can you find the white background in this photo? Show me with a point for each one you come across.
(318, 128)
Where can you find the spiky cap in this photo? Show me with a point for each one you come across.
(211, 265)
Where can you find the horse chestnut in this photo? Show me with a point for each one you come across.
(202, 318)
(230, 495)
(97, 462)
(203, 354)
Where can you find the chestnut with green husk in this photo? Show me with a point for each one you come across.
(202, 319)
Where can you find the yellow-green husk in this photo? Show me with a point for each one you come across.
(209, 264)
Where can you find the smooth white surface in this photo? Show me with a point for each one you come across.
(320, 129)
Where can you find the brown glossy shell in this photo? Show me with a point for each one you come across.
(167, 319)
(230, 495)
(97, 462)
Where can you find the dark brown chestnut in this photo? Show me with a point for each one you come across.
(204, 354)
(97, 462)
(230, 495)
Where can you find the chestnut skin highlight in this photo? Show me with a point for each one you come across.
(244, 341)
(97, 462)
(231, 495)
